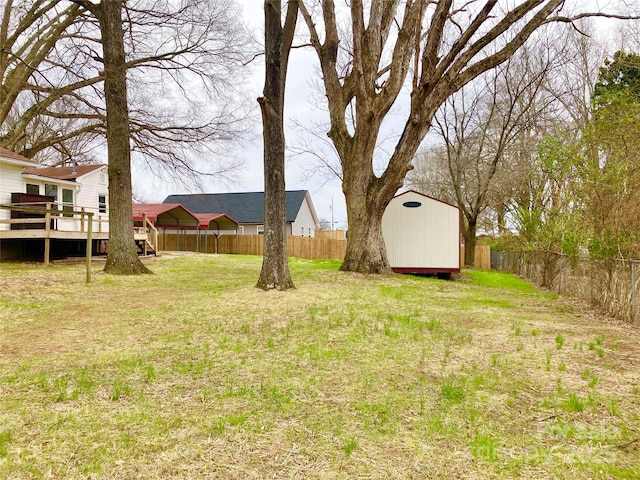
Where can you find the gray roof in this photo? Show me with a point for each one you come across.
(246, 207)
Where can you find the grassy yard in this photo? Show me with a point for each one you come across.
(194, 373)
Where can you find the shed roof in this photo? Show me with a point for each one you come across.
(245, 207)
(62, 173)
(426, 196)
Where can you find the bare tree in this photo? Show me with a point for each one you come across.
(30, 88)
(479, 125)
(278, 39)
(122, 257)
(183, 61)
(445, 45)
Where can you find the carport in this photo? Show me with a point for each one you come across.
(174, 217)
(215, 223)
(166, 216)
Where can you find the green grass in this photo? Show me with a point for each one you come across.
(493, 279)
(194, 373)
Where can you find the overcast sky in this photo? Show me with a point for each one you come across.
(299, 108)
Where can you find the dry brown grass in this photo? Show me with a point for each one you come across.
(194, 373)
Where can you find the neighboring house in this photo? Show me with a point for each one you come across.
(79, 188)
(422, 234)
(248, 210)
(69, 188)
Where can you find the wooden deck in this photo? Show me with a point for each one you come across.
(55, 223)
(61, 235)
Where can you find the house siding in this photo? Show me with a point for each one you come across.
(89, 187)
(305, 223)
(425, 237)
(10, 181)
(85, 189)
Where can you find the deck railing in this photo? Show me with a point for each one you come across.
(63, 220)
(50, 214)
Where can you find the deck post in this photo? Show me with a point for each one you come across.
(47, 238)
(155, 242)
(82, 220)
(144, 229)
(89, 244)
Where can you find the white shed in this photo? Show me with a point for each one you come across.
(422, 234)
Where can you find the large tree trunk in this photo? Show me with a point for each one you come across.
(122, 257)
(366, 251)
(469, 236)
(367, 197)
(275, 272)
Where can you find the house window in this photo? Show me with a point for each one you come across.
(102, 203)
(302, 231)
(310, 231)
(241, 230)
(67, 202)
(33, 189)
(260, 229)
(103, 177)
(51, 190)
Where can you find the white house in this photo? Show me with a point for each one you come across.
(247, 208)
(69, 188)
(422, 234)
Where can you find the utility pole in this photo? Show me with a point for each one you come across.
(332, 226)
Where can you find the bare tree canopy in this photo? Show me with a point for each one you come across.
(426, 49)
(484, 128)
(183, 61)
(122, 257)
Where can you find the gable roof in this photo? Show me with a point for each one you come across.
(167, 214)
(8, 154)
(426, 196)
(174, 214)
(220, 220)
(244, 207)
(62, 173)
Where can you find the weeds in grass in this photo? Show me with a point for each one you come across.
(350, 445)
(119, 389)
(548, 362)
(484, 447)
(150, 373)
(597, 346)
(347, 376)
(574, 403)
(5, 438)
(454, 389)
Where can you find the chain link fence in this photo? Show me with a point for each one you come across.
(610, 285)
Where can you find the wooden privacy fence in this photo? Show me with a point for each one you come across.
(482, 258)
(301, 247)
